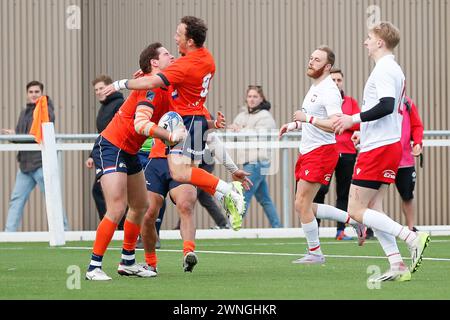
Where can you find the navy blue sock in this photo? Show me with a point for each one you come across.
(128, 257)
(96, 262)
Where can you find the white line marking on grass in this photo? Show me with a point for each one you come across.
(264, 253)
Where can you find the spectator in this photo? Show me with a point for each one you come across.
(412, 130)
(256, 116)
(109, 106)
(347, 156)
(30, 170)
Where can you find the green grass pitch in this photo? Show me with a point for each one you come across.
(244, 269)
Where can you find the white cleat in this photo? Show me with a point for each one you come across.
(417, 248)
(392, 275)
(97, 275)
(137, 270)
(311, 259)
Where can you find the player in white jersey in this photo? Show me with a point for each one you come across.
(377, 163)
(318, 153)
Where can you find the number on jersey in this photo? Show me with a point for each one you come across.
(205, 85)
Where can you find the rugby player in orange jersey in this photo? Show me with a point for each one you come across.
(190, 77)
(119, 170)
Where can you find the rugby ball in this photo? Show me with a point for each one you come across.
(171, 121)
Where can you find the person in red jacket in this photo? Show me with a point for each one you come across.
(412, 131)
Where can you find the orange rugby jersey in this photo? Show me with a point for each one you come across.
(190, 77)
(120, 131)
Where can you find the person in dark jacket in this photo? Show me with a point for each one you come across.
(109, 106)
(30, 170)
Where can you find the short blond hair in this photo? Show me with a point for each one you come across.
(388, 33)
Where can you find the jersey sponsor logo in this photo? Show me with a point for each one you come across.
(306, 172)
(389, 174)
(197, 153)
(327, 177)
(122, 165)
(174, 94)
(314, 98)
(150, 95)
(358, 170)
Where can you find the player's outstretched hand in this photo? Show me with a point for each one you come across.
(342, 123)
(291, 126)
(242, 176)
(177, 135)
(115, 86)
(220, 122)
(109, 90)
(138, 74)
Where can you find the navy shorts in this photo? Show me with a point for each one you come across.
(405, 181)
(158, 178)
(108, 159)
(194, 145)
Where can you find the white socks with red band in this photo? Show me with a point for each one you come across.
(325, 211)
(380, 221)
(389, 245)
(311, 231)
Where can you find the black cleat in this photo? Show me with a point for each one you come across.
(189, 261)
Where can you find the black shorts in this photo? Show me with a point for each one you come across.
(405, 182)
(194, 145)
(108, 159)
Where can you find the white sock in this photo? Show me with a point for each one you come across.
(223, 187)
(389, 245)
(311, 231)
(380, 221)
(407, 235)
(325, 211)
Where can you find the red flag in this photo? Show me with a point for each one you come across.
(40, 115)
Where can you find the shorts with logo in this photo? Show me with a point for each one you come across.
(405, 182)
(318, 165)
(108, 159)
(194, 145)
(158, 178)
(379, 164)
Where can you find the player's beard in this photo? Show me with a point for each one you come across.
(315, 74)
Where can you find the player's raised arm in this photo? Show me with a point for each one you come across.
(144, 83)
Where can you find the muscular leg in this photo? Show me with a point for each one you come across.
(148, 229)
(306, 191)
(185, 197)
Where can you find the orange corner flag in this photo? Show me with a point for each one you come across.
(40, 115)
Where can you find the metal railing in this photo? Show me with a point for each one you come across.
(288, 141)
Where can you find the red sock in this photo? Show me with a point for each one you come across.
(151, 259)
(188, 246)
(105, 232)
(130, 235)
(204, 180)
